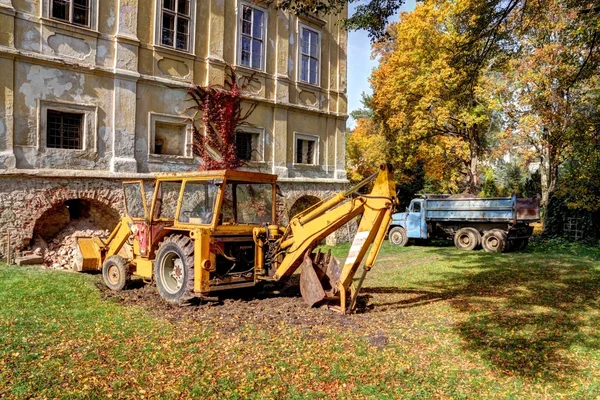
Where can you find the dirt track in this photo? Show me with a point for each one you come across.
(273, 305)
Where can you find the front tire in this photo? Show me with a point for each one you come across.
(467, 239)
(115, 272)
(397, 236)
(174, 269)
(494, 241)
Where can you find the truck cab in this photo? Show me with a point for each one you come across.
(412, 223)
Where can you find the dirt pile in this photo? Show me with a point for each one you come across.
(59, 253)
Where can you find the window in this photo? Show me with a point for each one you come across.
(309, 55)
(306, 149)
(252, 37)
(416, 207)
(169, 138)
(175, 22)
(73, 11)
(247, 203)
(246, 144)
(64, 130)
(198, 203)
(166, 200)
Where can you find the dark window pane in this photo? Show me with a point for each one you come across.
(182, 41)
(313, 71)
(304, 69)
(182, 33)
(246, 27)
(305, 41)
(247, 14)
(258, 24)
(64, 130)
(169, 4)
(60, 9)
(81, 12)
(183, 7)
(243, 142)
(256, 54)
(168, 29)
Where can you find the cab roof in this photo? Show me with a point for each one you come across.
(228, 174)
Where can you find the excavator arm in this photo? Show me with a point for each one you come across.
(322, 281)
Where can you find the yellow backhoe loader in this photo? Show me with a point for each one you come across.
(216, 230)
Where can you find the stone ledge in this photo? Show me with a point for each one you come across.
(63, 173)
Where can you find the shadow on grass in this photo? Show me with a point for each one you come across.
(526, 312)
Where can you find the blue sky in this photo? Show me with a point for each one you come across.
(360, 64)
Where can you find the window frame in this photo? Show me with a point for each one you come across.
(153, 119)
(158, 26)
(259, 136)
(81, 133)
(239, 34)
(301, 27)
(71, 6)
(89, 133)
(308, 137)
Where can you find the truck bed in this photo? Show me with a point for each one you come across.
(499, 209)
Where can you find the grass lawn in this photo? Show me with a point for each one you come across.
(443, 324)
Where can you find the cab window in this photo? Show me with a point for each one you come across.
(134, 200)
(416, 207)
(167, 194)
(247, 203)
(198, 204)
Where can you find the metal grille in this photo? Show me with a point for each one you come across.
(573, 228)
(243, 142)
(64, 130)
(305, 151)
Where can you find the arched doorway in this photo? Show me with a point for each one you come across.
(302, 204)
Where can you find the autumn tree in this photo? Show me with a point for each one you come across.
(220, 108)
(546, 82)
(428, 92)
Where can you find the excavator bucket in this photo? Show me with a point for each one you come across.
(318, 277)
(88, 254)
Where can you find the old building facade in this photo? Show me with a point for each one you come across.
(92, 92)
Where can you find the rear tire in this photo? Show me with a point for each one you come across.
(467, 239)
(174, 269)
(494, 241)
(397, 236)
(115, 272)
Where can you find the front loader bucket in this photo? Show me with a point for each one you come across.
(318, 278)
(88, 256)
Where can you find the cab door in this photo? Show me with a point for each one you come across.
(137, 210)
(415, 223)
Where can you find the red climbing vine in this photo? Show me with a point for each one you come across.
(220, 107)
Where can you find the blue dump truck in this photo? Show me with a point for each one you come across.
(496, 224)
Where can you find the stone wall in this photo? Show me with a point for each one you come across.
(25, 199)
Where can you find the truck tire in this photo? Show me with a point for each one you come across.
(174, 269)
(494, 241)
(115, 272)
(467, 239)
(397, 236)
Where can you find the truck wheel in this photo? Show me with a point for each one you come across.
(174, 269)
(467, 239)
(115, 272)
(494, 241)
(397, 236)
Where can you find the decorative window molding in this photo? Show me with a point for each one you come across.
(251, 144)
(306, 149)
(170, 136)
(79, 13)
(58, 118)
(309, 55)
(175, 24)
(251, 36)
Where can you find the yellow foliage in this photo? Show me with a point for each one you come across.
(365, 150)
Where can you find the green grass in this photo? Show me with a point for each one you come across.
(443, 324)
